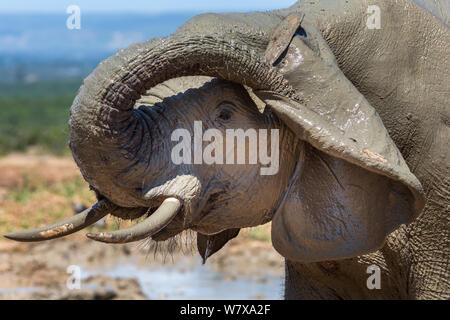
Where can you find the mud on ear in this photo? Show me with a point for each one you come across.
(336, 209)
(351, 187)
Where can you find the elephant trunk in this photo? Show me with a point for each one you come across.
(108, 136)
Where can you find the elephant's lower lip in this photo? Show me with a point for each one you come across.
(166, 233)
(175, 227)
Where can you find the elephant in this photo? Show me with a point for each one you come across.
(361, 115)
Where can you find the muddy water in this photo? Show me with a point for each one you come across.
(176, 283)
(241, 270)
(197, 282)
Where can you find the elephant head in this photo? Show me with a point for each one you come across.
(342, 185)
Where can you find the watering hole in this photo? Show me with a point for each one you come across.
(199, 282)
(177, 283)
(243, 269)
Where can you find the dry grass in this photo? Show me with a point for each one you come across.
(36, 190)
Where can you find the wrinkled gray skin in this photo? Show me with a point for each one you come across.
(347, 178)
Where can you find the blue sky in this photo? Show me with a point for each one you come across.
(142, 6)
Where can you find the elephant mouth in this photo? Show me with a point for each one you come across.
(171, 230)
(189, 218)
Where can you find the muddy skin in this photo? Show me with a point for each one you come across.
(364, 125)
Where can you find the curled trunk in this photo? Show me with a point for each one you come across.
(108, 136)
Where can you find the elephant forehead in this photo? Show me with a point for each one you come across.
(172, 87)
(194, 89)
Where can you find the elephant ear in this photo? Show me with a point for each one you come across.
(352, 186)
(207, 245)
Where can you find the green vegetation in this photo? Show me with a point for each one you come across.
(36, 115)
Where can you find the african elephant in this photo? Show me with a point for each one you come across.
(363, 129)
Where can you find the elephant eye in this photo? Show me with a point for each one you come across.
(226, 111)
(224, 114)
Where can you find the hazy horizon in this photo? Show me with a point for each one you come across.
(36, 44)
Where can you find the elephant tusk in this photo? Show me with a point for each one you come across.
(67, 226)
(151, 225)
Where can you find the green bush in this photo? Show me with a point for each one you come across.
(36, 115)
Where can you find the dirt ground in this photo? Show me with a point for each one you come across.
(40, 189)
